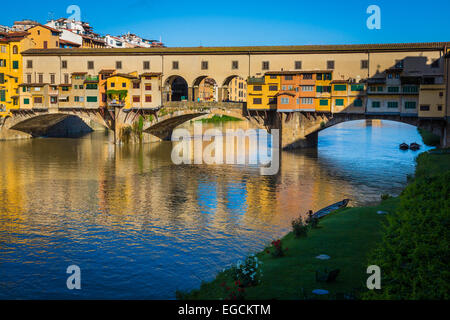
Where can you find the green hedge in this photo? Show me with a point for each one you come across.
(414, 254)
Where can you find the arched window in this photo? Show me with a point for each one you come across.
(15, 50)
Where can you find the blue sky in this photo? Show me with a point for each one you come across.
(241, 22)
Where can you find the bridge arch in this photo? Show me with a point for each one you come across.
(38, 124)
(175, 88)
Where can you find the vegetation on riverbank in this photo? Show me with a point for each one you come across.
(410, 244)
(219, 118)
(429, 138)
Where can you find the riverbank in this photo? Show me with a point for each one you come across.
(354, 238)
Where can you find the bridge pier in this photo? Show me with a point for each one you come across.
(295, 130)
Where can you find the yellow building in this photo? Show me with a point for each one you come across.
(11, 45)
(119, 89)
(432, 101)
(44, 37)
(261, 92)
(323, 91)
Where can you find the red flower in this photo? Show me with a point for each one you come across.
(222, 284)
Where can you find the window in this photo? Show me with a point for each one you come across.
(90, 86)
(410, 89)
(273, 88)
(257, 100)
(28, 78)
(265, 65)
(323, 102)
(64, 64)
(90, 65)
(298, 65)
(66, 78)
(284, 100)
(307, 76)
(410, 105)
(124, 85)
(204, 65)
(307, 100)
(399, 64)
(376, 104)
(15, 64)
(26, 101)
(136, 85)
(2, 78)
(340, 87)
(2, 63)
(65, 88)
(136, 99)
(146, 65)
(52, 78)
(148, 98)
(257, 88)
(319, 88)
(76, 99)
(364, 64)
(235, 65)
(148, 87)
(118, 65)
(339, 102)
(330, 64)
(308, 88)
(358, 103)
(29, 64)
(424, 108)
(2, 95)
(288, 78)
(392, 104)
(439, 108)
(91, 99)
(393, 89)
(37, 100)
(357, 87)
(41, 78)
(53, 100)
(175, 65)
(112, 85)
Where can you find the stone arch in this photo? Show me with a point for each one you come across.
(205, 89)
(175, 88)
(234, 91)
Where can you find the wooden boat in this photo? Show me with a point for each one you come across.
(414, 146)
(326, 211)
(404, 146)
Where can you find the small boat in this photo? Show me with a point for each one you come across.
(414, 146)
(404, 146)
(326, 211)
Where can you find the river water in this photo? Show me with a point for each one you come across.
(141, 227)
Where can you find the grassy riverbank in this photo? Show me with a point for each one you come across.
(429, 138)
(218, 119)
(357, 237)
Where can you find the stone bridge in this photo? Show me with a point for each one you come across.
(297, 129)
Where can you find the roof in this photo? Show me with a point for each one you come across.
(305, 49)
(151, 74)
(107, 71)
(284, 93)
(297, 72)
(70, 43)
(78, 73)
(46, 27)
(123, 75)
(32, 84)
(13, 36)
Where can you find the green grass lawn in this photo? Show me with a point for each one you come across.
(346, 236)
(429, 138)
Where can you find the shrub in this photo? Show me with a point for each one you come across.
(385, 196)
(312, 221)
(299, 228)
(248, 273)
(414, 254)
(277, 249)
(237, 292)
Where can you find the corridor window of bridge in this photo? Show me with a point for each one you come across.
(364, 64)
(204, 65)
(146, 65)
(330, 64)
(175, 65)
(265, 65)
(64, 64)
(298, 65)
(118, 65)
(235, 65)
(29, 64)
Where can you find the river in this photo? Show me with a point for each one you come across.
(141, 227)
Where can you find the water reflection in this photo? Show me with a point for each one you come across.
(141, 227)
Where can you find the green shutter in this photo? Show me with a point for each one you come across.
(91, 99)
(358, 103)
(324, 102)
(339, 102)
(26, 101)
(340, 87)
(319, 89)
(357, 87)
(2, 95)
(15, 64)
(375, 104)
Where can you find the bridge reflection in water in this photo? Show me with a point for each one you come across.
(141, 227)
